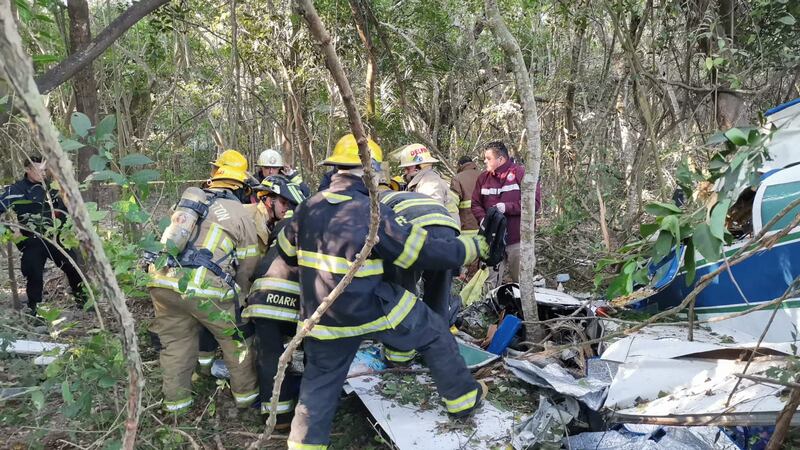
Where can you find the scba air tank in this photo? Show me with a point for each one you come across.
(190, 208)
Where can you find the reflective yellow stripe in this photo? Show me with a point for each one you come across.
(276, 284)
(462, 403)
(397, 355)
(247, 252)
(245, 398)
(386, 198)
(390, 321)
(337, 265)
(178, 405)
(192, 289)
(271, 312)
(335, 198)
(405, 204)
(471, 233)
(226, 245)
(412, 247)
(285, 245)
(465, 204)
(213, 237)
(470, 248)
(288, 214)
(296, 194)
(436, 219)
(299, 446)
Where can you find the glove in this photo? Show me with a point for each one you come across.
(483, 246)
(501, 207)
(147, 258)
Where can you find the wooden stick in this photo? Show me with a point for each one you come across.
(766, 380)
(306, 9)
(16, 66)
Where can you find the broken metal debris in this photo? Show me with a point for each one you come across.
(636, 437)
(547, 425)
(589, 390)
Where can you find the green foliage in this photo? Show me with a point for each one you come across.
(86, 377)
(701, 227)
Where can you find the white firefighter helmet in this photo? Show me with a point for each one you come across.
(414, 155)
(270, 158)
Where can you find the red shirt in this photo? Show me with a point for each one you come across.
(502, 186)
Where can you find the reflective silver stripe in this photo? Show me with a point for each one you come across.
(192, 290)
(277, 284)
(178, 405)
(283, 407)
(495, 191)
(271, 312)
(242, 399)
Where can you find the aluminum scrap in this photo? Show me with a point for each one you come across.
(591, 391)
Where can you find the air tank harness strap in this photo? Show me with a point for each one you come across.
(193, 258)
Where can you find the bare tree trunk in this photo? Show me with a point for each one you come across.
(83, 83)
(783, 421)
(12, 277)
(533, 157)
(16, 66)
(234, 113)
(358, 9)
(306, 9)
(627, 151)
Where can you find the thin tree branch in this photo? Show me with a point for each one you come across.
(67, 68)
(16, 66)
(71, 261)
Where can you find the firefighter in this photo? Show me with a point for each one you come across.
(417, 164)
(216, 243)
(274, 301)
(36, 205)
(326, 233)
(270, 162)
(421, 210)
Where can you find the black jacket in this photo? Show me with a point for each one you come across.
(34, 205)
(328, 231)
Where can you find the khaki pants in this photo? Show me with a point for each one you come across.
(510, 265)
(177, 324)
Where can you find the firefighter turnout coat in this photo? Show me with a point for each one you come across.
(334, 228)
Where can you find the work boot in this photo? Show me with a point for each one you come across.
(467, 413)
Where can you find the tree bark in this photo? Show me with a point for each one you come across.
(357, 7)
(83, 83)
(533, 158)
(306, 9)
(16, 66)
(784, 421)
(67, 68)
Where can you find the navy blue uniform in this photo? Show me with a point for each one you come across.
(328, 231)
(424, 211)
(273, 306)
(35, 207)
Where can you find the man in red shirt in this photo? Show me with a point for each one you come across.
(499, 186)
